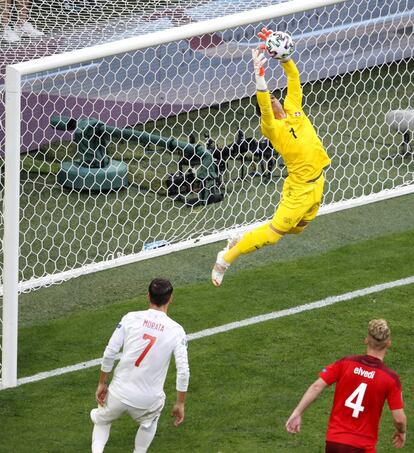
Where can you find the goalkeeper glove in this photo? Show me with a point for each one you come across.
(263, 35)
(259, 61)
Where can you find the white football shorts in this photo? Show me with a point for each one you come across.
(114, 408)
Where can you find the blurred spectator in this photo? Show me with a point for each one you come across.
(22, 26)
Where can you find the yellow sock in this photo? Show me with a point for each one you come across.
(253, 240)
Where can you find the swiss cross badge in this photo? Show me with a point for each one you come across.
(297, 113)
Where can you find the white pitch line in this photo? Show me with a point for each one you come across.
(237, 324)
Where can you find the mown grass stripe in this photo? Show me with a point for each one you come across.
(238, 324)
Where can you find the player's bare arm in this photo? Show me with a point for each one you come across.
(178, 409)
(183, 376)
(293, 424)
(102, 389)
(400, 424)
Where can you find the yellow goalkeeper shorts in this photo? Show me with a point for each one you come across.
(299, 202)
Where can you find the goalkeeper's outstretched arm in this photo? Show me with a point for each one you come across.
(267, 120)
(270, 108)
(293, 101)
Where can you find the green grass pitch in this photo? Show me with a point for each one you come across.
(245, 382)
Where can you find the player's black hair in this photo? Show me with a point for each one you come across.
(160, 291)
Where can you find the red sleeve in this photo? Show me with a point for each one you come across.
(394, 397)
(331, 373)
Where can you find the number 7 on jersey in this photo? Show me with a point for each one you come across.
(147, 348)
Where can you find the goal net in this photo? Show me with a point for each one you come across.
(151, 144)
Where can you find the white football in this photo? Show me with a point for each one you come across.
(279, 45)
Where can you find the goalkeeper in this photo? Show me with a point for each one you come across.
(293, 136)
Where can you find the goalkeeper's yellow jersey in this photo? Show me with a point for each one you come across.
(294, 137)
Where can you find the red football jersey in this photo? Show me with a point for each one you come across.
(363, 383)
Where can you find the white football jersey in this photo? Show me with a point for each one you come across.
(148, 339)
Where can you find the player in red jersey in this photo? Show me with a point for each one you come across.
(363, 383)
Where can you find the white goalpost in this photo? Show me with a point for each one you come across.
(137, 148)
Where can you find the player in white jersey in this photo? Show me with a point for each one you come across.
(148, 339)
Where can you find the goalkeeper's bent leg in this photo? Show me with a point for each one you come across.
(254, 240)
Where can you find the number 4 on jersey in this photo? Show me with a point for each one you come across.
(147, 348)
(358, 395)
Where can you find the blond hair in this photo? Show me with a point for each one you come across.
(378, 333)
